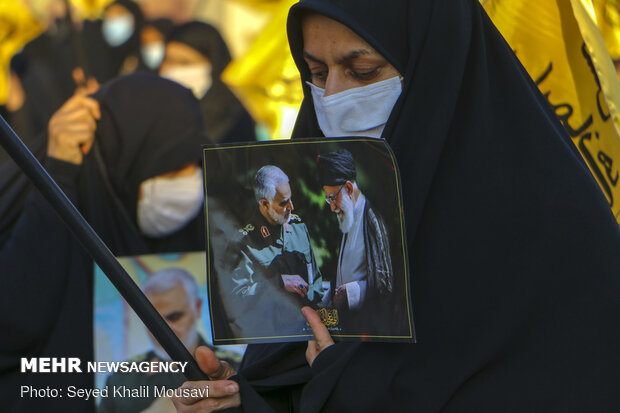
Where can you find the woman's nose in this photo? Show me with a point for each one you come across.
(335, 84)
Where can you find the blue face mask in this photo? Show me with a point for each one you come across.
(153, 54)
(117, 30)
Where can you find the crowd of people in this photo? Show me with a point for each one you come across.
(514, 252)
(49, 68)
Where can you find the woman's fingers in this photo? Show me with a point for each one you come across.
(322, 337)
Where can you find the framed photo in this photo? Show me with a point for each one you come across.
(314, 223)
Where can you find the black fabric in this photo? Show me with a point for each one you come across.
(513, 248)
(46, 299)
(40, 80)
(49, 61)
(225, 118)
(42, 97)
(336, 168)
(14, 189)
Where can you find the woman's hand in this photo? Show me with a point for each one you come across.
(322, 338)
(71, 130)
(221, 394)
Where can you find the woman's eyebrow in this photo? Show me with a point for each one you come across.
(354, 55)
(308, 56)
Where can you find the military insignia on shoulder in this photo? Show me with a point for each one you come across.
(264, 231)
(247, 229)
(295, 218)
(329, 317)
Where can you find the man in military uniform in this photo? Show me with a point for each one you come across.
(275, 272)
(174, 294)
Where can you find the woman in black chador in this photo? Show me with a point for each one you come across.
(196, 57)
(513, 249)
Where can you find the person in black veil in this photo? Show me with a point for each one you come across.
(112, 44)
(131, 166)
(153, 43)
(513, 247)
(196, 56)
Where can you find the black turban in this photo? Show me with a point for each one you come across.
(336, 168)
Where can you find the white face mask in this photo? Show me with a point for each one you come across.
(196, 77)
(153, 54)
(168, 204)
(360, 111)
(117, 30)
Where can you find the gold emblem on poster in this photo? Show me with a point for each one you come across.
(329, 317)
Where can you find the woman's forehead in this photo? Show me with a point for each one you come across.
(382, 25)
(323, 33)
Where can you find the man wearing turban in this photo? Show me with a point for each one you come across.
(362, 288)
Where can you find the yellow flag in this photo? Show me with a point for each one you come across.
(561, 47)
(265, 5)
(266, 78)
(17, 27)
(608, 21)
(90, 9)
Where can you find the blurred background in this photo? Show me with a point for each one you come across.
(238, 64)
(42, 42)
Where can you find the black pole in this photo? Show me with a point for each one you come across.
(98, 250)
